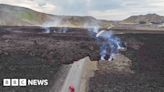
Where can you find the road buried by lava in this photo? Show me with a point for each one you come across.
(32, 54)
(29, 52)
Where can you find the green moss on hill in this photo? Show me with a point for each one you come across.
(28, 16)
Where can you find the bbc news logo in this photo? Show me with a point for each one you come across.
(25, 82)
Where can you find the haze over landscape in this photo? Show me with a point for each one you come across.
(106, 9)
(27, 17)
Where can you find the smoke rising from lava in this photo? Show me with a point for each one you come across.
(110, 44)
(54, 23)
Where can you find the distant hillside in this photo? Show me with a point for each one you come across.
(149, 18)
(19, 16)
(72, 21)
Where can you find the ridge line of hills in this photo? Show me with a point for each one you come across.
(20, 16)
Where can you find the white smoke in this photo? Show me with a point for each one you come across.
(110, 44)
(54, 23)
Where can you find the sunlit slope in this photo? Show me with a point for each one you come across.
(20, 16)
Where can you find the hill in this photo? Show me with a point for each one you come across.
(20, 16)
(145, 19)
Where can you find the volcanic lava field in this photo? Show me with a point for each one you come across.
(147, 54)
(29, 52)
(33, 54)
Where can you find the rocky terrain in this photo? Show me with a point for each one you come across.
(32, 53)
(138, 69)
(29, 52)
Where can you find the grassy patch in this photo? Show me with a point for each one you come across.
(27, 16)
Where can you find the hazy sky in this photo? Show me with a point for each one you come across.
(101, 9)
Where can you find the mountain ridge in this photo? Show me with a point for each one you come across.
(148, 18)
(19, 16)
